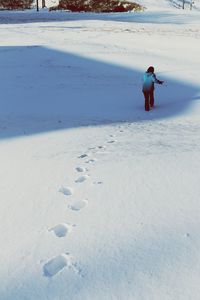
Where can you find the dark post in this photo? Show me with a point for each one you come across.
(43, 4)
(183, 4)
(37, 5)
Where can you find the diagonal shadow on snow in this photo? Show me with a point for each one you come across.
(150, 17)
(44, 90)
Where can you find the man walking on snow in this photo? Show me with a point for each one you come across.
(149, 79)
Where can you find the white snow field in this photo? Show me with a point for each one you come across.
(99, 199)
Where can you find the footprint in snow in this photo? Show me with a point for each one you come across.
(67, 191)
(112, 141)
(92, 148)
(97, 147)
(56, 264)
(81, 169)
(98, 182)
(82, 179)
(91, 161)
(78, 205)
(62, 230)
(83, 155)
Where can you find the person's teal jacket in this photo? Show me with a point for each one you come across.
(148, 82)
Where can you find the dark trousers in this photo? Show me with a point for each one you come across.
(149, 100)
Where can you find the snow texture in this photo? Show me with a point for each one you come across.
(100, 199)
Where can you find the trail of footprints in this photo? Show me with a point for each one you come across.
(62, 230)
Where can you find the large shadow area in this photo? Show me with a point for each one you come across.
(153, 17)
(44, 90)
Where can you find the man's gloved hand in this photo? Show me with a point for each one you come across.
(161, 82)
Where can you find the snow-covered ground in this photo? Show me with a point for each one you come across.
(169, 4)
(99, 199)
